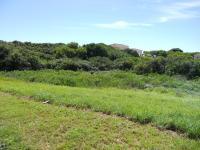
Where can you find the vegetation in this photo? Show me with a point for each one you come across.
(119, 79)
(30, 125)
(161, 107)
(94, 57)
(161, 88)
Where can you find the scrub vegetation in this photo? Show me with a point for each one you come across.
(96, 57)
(95, 96)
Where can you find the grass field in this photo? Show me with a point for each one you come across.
(119, 79)
(161, 108)
(25, 124)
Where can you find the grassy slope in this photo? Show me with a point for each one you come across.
(27, 124)
(119, 79)
(163, 109)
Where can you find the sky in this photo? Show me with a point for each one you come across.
(143, 24)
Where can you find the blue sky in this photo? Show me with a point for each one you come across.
(144, 24)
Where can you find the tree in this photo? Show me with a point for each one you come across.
(142, 68)
(3, 52)
(64, 51)
(34, 62)
(95, 50)
(176, 50)
(194, 70)
(158, 65)
(158, 53)
(73, 45)
(102, 63)
(126, 63)
(81, 52)
(16, 61)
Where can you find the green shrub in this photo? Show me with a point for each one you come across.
(93, 57)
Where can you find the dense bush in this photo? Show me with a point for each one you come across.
(158, 53)
(101, 63)
(94, 50)
(70, 64)
(158, 65)
(73, 45)
(92, 57)
(4, 52)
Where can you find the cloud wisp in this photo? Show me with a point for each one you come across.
(121, 25)
(180, 10)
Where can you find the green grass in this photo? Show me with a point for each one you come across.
(25, 124)
(119, 79)
(164, 109)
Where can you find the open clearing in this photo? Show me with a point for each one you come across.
(28, 124)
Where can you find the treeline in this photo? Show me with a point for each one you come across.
(95, 57)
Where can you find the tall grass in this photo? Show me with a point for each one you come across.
(119, 79)
(29, 125)
(165, 110)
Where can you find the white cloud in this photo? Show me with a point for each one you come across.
(121, 25)
(181, 10)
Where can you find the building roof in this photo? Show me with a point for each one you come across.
(120, 46)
